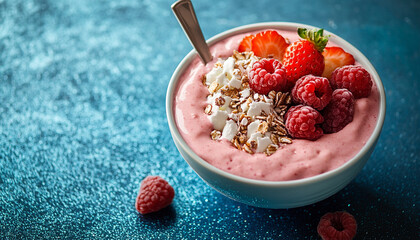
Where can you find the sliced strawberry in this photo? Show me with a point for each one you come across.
(246, 44)
(269, 44)
(335, 57)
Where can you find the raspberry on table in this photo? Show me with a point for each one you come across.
(267, 74)
(337, 226)
(304, 122)
(155, 193)
(312, 91)
(339, 112)
(354, 78)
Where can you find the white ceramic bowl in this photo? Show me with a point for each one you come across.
(276, 194)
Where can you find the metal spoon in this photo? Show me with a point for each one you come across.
(184, 12)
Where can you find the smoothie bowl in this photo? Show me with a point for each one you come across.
(243, 134)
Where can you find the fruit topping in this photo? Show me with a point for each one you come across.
(304, 57)
(269, 44)
(354, 78)
(269, 91)
(339, 112)
(304, 122)
(335, 57)
(266, 75)
(312, 91)
(246, 44)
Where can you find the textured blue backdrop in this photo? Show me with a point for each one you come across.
(82, 121)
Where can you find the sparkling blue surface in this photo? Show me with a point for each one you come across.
(82, 121)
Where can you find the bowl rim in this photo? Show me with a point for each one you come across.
(289, 183)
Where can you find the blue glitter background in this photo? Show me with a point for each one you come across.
(82, 121)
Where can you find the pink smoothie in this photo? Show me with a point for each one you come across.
(301, 159)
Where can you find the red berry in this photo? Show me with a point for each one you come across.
(155, 194)
(337, 226)
(269, 44)
(301, 58)
(246, 44)
(312, 91)
(303, 122)
(266, 75)
(354, 78)
(339, 112)
(335, 57)
(304, 57)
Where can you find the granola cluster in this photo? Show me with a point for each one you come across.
(252, 122)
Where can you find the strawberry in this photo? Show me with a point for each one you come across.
(304, 56)
(246, 44)
(269, 44)
(335, 57)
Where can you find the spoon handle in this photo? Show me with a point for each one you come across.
(184, 12)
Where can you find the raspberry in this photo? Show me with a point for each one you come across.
(312, 91)
(266, 75)
(354, 78)
(339, 112)
(337, 225)
(302, 122)
(155, 193)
